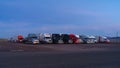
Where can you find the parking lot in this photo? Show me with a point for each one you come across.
(18, 55)
(9, 47)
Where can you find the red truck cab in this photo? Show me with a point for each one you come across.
(75, 39)
(20, 38)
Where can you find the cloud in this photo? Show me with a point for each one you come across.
(25, 28)
(73, 27)
(84, 29)
(81, 11)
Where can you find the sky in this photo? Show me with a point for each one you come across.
(89, 17)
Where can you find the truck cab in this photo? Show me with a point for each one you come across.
(88, 39)
(75, 38)
(45, 38)
(66, 38)
(56, 38)
(18, 39)
(31, 38)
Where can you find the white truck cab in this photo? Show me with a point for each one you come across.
(45, 37)
(88, 39)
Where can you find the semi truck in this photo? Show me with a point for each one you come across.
(31, 38)
(75, 38)
(61, 38)
(18, 39)
(102, 39)
(66, 39)
(45, 37)
(88, 39)
(56, 38)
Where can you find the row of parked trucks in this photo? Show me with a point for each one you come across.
(59, 38)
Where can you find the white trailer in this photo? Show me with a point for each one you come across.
(102, 39)
(45, 37)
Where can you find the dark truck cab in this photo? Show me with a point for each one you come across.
(61, 38)
(66, 38)
(56, 38)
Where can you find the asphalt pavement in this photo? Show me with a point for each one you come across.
(107, 58)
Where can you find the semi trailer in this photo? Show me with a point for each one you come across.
(102, 39)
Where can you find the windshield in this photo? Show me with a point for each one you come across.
(47, 37)
(56, 36)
